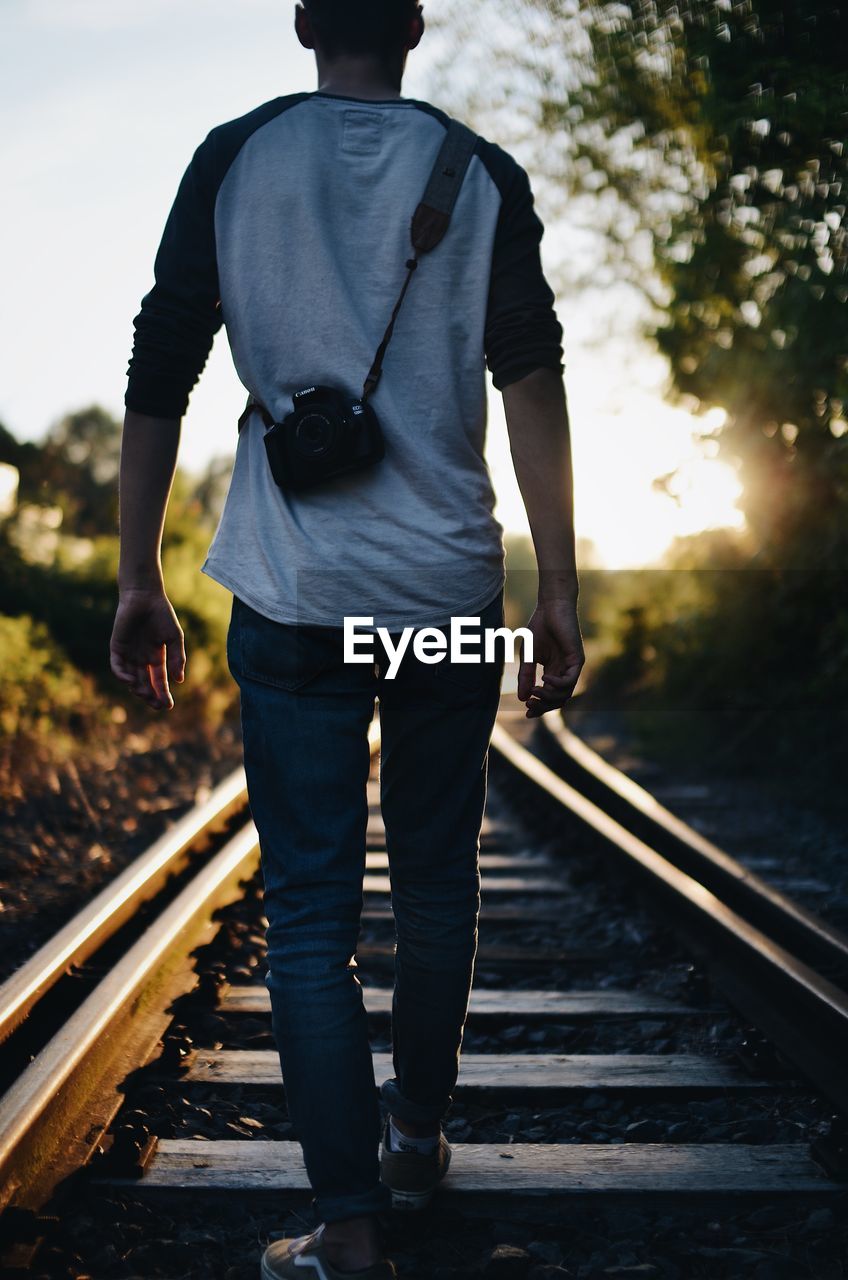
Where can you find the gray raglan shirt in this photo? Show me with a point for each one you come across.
(291, 228)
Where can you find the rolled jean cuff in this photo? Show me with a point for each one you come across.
(412, 1112)
(336, 1208)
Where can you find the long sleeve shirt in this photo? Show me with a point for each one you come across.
(291, 229)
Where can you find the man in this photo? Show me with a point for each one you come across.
(291, 227)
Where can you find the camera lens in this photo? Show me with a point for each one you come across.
(315, 435)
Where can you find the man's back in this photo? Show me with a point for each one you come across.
(296, 217)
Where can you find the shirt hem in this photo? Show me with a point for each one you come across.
(295, 618)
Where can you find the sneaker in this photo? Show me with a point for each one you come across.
(412, 1177)
(306, 1256)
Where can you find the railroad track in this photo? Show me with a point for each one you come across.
(546, 982)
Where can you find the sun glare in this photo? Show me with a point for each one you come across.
(632, 524)
(642, 478)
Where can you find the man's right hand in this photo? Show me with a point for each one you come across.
(147, 649)
(558, 646)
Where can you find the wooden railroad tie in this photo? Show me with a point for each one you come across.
(525, 1072)
(519, 1004)
(550, 1169)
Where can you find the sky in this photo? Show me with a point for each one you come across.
(102, 103)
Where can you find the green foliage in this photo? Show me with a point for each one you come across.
(76, 469)
(20, 454)
(44, 699)
(704, 142)
(38, 680)
(755, 261)
(60, 595)
(715, 657)
(76, 607)
(719, 125)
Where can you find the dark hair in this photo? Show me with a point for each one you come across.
(360, 26)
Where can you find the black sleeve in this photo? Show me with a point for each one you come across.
(181, 314)
(522, 330)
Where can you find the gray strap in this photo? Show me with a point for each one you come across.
(431, 218)
(449, 169)
(430, 221)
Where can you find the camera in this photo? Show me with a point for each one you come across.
(327, 434)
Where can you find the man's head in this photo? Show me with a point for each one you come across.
(379, 32)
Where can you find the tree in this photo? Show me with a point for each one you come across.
(719, 125)
(702, 144)
(76, 468)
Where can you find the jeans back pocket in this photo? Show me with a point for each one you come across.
(280, 654)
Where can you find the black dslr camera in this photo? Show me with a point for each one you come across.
(326, 435)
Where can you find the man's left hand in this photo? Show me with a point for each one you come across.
(558, 646)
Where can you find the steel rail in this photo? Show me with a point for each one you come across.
(100, 919)
(805, 932)
(802, 1011)
(90, 1039)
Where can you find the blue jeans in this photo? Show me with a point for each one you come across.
(305, 716)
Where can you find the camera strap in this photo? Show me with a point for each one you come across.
(427, 229)
(430, 220)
